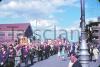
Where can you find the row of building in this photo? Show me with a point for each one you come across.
(12, 32)
(93, 32)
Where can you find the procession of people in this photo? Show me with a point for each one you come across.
(14, 54)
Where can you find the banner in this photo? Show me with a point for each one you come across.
(24, 41)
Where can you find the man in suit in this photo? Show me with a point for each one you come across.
(3, 57)
(74, 60)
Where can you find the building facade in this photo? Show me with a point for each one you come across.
(93, 33)
(11, 32)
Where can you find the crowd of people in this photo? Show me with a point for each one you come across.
(94, 55)
(13, 55)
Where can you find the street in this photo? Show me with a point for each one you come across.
(53, 61)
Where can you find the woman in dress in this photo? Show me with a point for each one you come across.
(63, 53)
(96, 53)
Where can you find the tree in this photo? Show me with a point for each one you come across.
(99, 0)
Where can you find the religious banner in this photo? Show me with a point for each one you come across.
(24, 41)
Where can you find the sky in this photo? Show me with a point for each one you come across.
(64, 14)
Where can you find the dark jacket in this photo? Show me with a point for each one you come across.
(3, 57)
(77, 64)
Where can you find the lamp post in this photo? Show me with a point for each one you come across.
(83, 54)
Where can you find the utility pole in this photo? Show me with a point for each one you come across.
(83, 54)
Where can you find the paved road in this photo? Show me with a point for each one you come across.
(53, 61)
(95, 64)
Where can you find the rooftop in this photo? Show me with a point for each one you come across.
(16, 27)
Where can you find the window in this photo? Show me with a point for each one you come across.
(2, 34)
(19, 34)
(95, 37)
(96, 31)
(10, 34)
